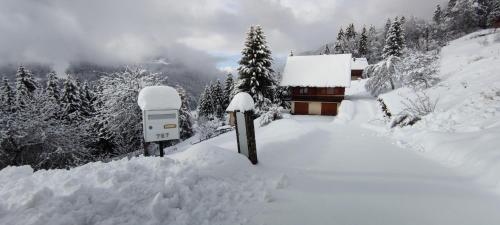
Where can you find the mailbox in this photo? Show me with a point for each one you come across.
(160, 125)
(160, 115)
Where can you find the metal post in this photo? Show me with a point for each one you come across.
(162, 146)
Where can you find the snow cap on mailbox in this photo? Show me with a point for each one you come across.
(159, 98)
(242, 102)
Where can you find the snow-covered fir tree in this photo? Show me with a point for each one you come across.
(205, 106)
(340, 47)
(217, 93)
(255, 70)
(374, 45)
(387, 27)
(6, 96)
(25, 86)
(494, 14)
(326, 51)
(228, 90)
(350, 32)
(185, 117)
(52, 89)
(71, 103)
(395, 40)
(462, 17)
(363, 43)
(87, 98)
(437, 18)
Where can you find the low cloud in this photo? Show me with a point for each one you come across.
(59, 32)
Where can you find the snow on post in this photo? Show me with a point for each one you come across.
(159, 98)
(242, 102)
(241, 108)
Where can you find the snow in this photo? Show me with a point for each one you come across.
(241, 102)
(318, 71)
(359, 63)
(206, 185)
(463, 131)
(312, 170)
(159, 98)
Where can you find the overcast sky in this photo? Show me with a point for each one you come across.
(206, 32)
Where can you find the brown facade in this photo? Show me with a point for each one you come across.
(497, 24)
(316, 101)
(356, 74)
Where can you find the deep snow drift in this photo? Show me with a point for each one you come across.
(205, 185)
(464, 131)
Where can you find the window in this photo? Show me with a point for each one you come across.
(303, 91)
(330, 91)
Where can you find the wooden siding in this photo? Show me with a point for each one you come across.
(356, 74)
(329, 109)
(301, 108)
(313, 94)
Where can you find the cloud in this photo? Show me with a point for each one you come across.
(128, 31)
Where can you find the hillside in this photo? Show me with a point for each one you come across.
(463, 131)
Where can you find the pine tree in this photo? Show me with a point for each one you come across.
(327, 50)
(25, 87)
(387, 27)
(395, 41)
(52, 90)
(438, 15)
(71, 103)
(363, 43)
(185, 117)
(217, 93)
(205, 107)
(6, 96)
(87, 98)
(374, 45)
(228, 90)
(350, 32)
(340, 47)
(255, 72)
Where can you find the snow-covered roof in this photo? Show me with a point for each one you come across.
(359, 63)
(159, 98)
(241, 102)
(318, 71)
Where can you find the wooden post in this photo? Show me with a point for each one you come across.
(252, 146)
(162, 146)
(245, 133)
(146, 148)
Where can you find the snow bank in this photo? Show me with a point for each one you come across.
(318, 71)
(464, 130)
(203, 185)
(158, 98)
(346, 112)
(241, 102)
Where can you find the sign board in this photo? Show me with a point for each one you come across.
(160, 125)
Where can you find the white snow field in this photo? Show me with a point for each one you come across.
(464, 131)
(316, 170)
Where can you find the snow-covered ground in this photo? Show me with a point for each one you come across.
(312, 169)
(464, 131)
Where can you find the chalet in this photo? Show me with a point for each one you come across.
(317, 82)
(358, 65)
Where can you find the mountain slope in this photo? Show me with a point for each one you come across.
(464, 130)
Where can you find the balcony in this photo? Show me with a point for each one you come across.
(316, 98)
